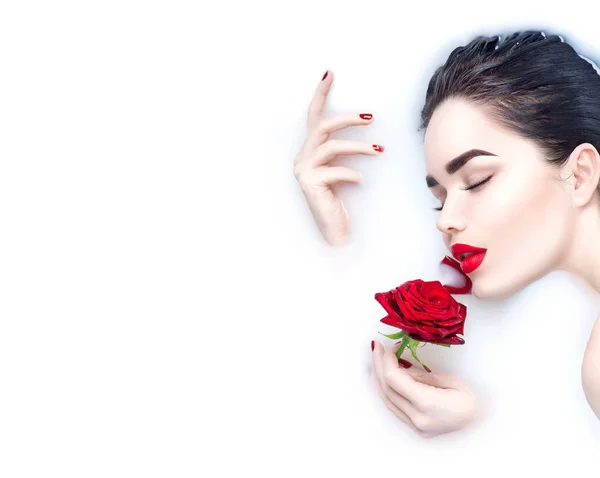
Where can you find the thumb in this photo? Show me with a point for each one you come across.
(403, 363)
(378, 349)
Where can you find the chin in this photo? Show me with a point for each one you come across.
(493, 291)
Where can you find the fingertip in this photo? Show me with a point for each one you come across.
(404, 363)
(338, 242)
(327, 77)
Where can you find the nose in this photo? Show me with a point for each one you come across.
(450, 222)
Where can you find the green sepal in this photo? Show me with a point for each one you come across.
(444, 345)
(413, 350)
(402, 347)
(398, 335)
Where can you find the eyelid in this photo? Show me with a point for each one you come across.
(468, 188)
(473, 186)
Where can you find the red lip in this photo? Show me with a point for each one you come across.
(472, 262)
(459, 249)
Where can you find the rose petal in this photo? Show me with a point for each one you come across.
(392, 321)
(388, 303)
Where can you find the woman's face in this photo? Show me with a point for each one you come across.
(522, 215)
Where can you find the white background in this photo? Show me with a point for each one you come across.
(167, 306)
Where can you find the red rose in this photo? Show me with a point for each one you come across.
(425, 311)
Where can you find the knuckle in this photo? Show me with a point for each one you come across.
(471, 401)
(387, 375)
(300, 175)
(299, 168)
(388, 403)
(470, 409)
(423, 422)
(426, 435)
(305, 180)
(326, 149)
(321, 128)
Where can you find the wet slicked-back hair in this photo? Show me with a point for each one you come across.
(536, 85)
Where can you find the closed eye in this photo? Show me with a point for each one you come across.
(469, 188)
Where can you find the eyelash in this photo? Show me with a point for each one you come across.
(468, 188)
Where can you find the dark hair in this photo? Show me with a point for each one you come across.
(536, 85)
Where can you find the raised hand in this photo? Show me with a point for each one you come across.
(313, 172)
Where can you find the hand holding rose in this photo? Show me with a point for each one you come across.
(430, 403)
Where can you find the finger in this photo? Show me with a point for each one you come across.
(435, 379)
(322, 129)
(396, 398)
(400, 380)
(392, 407)
(335, 147)
(438, 380)
(315, 109)
(337, 174)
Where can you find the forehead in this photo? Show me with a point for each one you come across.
(458, 126)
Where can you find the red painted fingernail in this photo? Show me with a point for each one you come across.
(376, 147)
(404, 363)
(325, 75)
(372, 345)
(366, 116)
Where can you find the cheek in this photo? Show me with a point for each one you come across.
(527, 227)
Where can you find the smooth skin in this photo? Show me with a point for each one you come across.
(431, 404)
(313, 172)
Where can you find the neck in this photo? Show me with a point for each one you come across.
(583, 256)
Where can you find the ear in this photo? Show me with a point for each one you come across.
(584, 167)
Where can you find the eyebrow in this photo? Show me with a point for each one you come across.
(457, 163)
